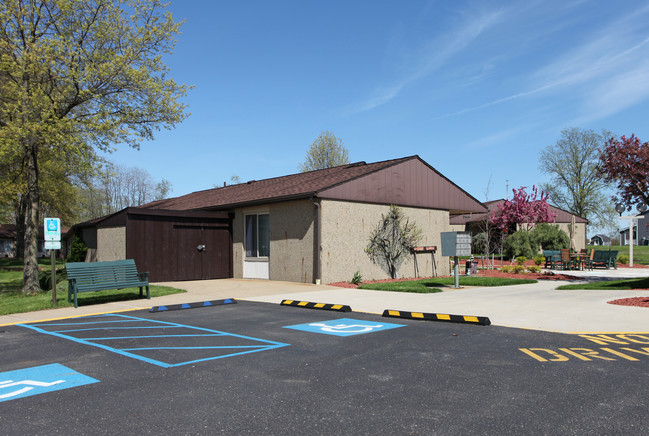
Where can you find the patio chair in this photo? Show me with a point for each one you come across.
(566, 261)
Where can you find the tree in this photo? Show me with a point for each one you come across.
(78, 74)
(524, 210)
(117, 187)
(392, 240)
(549, 237)
(325, 152)
(625, 162)
(574, 167)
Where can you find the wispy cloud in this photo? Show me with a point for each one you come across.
(432, 56)
(607, 73)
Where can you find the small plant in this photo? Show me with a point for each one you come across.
(506, 269)
(623, 258)
(518, 269)
(520, 260)
(534, 268)
(539, 260)
(357, 279)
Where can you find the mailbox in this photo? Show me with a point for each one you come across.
(456, 244)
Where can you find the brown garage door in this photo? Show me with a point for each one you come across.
(193, 246)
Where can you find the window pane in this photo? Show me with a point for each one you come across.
(264, 236)
(251, 235)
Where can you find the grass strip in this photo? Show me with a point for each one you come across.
(612, 285)
(12, 301)
(429, 286)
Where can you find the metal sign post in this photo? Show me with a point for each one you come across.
(631, 238)
(52, 228)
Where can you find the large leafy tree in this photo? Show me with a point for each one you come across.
(78, 75)
(524, 210)
(325, 152)
(625, 163)
(574, 167)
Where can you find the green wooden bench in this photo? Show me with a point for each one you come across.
(605, 259)
(552, 258)
(103, 276)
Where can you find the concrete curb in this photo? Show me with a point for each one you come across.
(464, 319)
(192, 305)
(321, 306)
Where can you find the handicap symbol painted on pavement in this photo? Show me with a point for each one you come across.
(344, 327)
(38, 380)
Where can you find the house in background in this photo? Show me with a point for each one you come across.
(600, 240)
(307, 227)
(640, 231)
(474, 223)
(8, 241)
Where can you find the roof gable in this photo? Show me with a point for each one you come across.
(408, 181)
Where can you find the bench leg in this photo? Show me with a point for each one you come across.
(75, 300)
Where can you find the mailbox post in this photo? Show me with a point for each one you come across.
(455, 244)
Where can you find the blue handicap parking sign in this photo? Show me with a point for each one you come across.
(38, 380)
(344, 327)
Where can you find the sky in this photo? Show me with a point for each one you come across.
(475, 88)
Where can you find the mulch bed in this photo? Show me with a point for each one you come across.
(482, 273)
(635, 302)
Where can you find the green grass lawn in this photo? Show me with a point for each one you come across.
(12, 301)
(15, 302)
(429, 286)
(43, 262)
(613, 285)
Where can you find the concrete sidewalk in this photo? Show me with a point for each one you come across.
(535, 306)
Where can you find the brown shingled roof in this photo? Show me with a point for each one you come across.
(562, 216)
(302, 185)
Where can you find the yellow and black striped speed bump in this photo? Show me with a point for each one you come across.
(321, 306)
(193, 305)
(481, 320)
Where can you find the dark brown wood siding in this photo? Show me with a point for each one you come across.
(167, 246)
(411, 183)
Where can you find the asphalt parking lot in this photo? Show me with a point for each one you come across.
(254, 367)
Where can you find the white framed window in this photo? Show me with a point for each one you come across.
(257, 235)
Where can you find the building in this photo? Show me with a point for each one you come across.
(601, 240)
(307, 227)
(8, 241)
(640, 231)
(474, 223)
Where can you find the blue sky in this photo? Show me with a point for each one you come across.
(475, 88)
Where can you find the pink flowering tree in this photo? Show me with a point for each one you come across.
(525, 210)
(626, 163)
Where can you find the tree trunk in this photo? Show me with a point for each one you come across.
(20, 227)
(30, 273)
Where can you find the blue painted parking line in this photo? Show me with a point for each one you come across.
(39, 380)
(194, 344)
(344, 327)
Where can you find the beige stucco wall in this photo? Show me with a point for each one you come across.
(346, 229)
(291, 240)
(111, 244)
(580, 233)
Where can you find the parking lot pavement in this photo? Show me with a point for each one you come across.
(264, 368)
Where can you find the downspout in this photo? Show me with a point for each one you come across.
(318, 241)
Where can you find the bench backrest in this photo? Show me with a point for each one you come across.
(89, 274)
